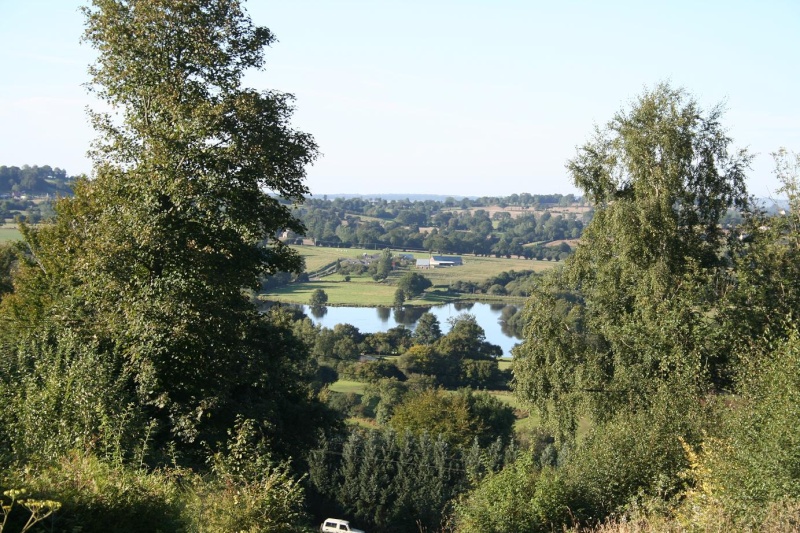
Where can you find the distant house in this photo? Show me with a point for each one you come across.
(406, 257)
(440, 261)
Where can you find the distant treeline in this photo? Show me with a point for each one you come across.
(465, 226)
(34, 180)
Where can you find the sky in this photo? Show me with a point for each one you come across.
(467, 97)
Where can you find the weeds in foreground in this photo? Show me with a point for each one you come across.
(39, 509)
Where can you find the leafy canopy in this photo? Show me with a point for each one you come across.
(631, 309)
(146, 265)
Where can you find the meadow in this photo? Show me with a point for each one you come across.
(9, 233)
(361, 290)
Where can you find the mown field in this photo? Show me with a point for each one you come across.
(363, 291)
(318, 256)
(360, 291)
(9, 234)
(478, 269)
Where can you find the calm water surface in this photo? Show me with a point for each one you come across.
(373, 319)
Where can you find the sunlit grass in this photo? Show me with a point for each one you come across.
(346, 385)
(8, 234)
(477, 269)
(360, 291)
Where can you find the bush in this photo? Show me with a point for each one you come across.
(318, 298)
(518, 498)
(94, 494)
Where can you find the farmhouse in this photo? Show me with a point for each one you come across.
(439, 261)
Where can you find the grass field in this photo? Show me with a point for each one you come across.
(345, 386)
(9, 234)
(478, 269)
(473, 269)
(363, 291)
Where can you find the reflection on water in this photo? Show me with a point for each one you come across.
(408, 315)
(318, 311)
(492, 318)
(384, 313)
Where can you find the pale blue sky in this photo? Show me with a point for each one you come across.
(469, 97)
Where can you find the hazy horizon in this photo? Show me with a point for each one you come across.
(475, 98)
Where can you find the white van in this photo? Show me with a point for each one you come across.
(334, 525)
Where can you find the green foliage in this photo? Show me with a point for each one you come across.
(399, 298)
(467, 340)
(249, 492)
(245, 493)
(428, 329)
(62, 390)
(756, 462)
(94, 494)
(396, 482)
(318, 298)
(766, 270)
(372, 371)
(384, 395)
(421, 359)
(628, 333)
(518, 498)
(381, 268)
(142, 273)
(661, 175)
(8, 261)
(458, 418)
(413, 284)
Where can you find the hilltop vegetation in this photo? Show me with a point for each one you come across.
(506, 226)
(34, 180)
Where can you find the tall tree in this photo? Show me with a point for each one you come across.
(661, 175)
(428, 329)
(150, 257)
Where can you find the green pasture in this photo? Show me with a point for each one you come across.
(361, 291)
(473, 269)
(8, 234)
(317, 257)
(344, 386)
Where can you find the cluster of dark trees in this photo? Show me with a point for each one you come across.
(437, 226)
(462, 357)
(509, 283)
(34, 180)
(25, 209)
(18, 186)
(397, 481)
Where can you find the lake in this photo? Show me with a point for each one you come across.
(373, 319)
